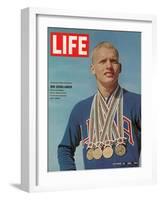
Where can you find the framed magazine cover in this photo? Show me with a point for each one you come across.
(55, 75)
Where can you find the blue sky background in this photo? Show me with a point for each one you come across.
(77, 71)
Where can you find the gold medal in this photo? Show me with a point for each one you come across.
(90, 154)
(107, 152)
(120, 150)
(97, 153)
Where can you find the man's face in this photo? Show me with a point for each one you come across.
(105, 66)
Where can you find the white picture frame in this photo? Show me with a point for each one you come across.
(34, 175)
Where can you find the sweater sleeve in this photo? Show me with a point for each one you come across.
(71, 139)
(137, 120)
(138, 113)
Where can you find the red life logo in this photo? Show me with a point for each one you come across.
(69, 44)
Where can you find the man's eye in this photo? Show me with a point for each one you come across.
(114, 61)
(103, 61)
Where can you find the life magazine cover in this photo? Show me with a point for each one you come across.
(86, 129)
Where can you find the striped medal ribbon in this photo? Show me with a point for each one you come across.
(107, 123)
(116, 134)
(120, 147)
(101, 125)
(90, 146)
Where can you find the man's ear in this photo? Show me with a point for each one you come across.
(120, 67)
(92, 69)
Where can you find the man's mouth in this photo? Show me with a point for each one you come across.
(108, 73)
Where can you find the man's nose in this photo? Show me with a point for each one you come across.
(108, 64)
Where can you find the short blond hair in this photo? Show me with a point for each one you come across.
(105, 44)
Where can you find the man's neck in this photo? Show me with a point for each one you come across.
(107, 90)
